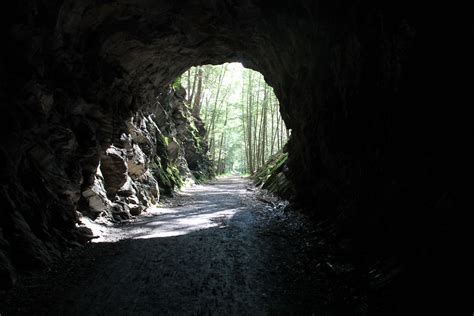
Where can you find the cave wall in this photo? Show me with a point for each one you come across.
(159, 149)
(70, 149)
(273, 176)
(369, 150)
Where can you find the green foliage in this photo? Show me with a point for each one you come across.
(176, 83)
(231, 97)
(169, 177)
(165, 140)
(202, 177)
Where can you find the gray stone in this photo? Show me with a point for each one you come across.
(113, 166)
(96, 195)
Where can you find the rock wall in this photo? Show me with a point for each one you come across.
(152, 156)
(274, 176)
(65, 170)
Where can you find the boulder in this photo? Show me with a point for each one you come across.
(127, 189)
(96, 196)
(137, 162)
(113, 166)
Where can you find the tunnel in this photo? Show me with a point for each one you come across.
(372, 156)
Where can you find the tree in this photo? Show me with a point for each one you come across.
(197, 99)
(241, 115)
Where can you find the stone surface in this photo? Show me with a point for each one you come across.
(124, 184)
(96, 196)
(113, 166)
(137, 165)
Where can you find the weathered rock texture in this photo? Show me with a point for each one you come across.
(151, 155)
(274, 176)
(66, 169)
(357, 82)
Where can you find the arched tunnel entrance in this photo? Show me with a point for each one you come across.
(238, 114)
(366, 158)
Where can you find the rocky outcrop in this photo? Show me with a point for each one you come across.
(274, 176)
(73, 156)
(150, 156)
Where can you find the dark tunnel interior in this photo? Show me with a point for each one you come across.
(366, 88)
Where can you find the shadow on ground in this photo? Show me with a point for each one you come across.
(221, 252)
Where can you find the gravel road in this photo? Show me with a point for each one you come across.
(220, 250)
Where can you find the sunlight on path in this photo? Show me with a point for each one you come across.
(204, 207)
(219, 251)
(176, 222)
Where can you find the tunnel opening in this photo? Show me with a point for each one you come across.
(240, 113)
(367, 157)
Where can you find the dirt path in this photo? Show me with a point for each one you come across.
(220, 252)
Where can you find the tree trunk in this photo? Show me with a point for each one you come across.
(272, 130)
(188, 75)
(194, 85)
(197, 99)
(263, 138)
(255, 140)
(249, 122)
(276, 135)
(222, 136)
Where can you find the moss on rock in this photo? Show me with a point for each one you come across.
(273, 176)
(181, 155)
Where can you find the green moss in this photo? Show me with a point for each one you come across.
(167, 175)
(198, 141)
(271, 176)
(165, 140)
(176, 83)
(273, 165)
(202, 176)
(194, 129)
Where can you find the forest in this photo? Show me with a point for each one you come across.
(240, 112)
